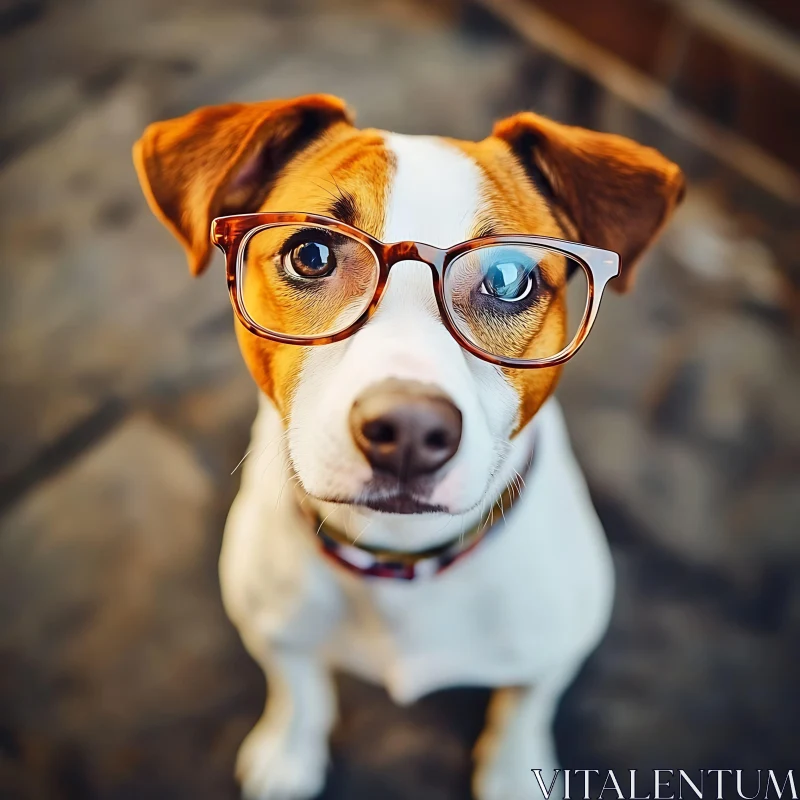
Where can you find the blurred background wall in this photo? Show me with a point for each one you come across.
(125, 405)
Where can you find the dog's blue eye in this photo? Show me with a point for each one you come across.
(312, 260)
(508, 279)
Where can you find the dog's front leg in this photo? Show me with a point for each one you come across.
(285, 756)
(518, 738)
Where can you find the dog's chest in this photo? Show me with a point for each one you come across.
(476, 624)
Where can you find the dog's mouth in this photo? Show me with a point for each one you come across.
(398, 500)
(390, 496)
(387, 494)
(402, 502)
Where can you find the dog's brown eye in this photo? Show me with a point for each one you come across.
(310, 260)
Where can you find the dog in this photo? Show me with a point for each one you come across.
(361, 537)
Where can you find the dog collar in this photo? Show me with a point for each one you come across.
(382, 563)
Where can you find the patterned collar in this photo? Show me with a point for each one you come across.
(382, 563)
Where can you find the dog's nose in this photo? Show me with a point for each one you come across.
(405, 428)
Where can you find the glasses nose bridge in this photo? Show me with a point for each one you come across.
(417, 251)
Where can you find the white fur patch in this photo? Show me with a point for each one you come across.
(436, 192)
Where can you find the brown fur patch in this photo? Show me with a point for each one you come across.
(617, 194)
(217, 160)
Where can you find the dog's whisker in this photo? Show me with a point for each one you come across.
(342, 196)
(322, 522)
(273, 441)
(303, 494)
(280, 492)
(443, 526)
(329, 179)
(258, 461)
(277, 443)
(481, 518)
(241, 461)
(292, 478)
(363, 530)
(327, 191)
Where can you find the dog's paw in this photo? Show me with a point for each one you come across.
(498, 784)
(270, 767)
(508, 775)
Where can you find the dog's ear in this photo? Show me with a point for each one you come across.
(221, 159)
(616, 193)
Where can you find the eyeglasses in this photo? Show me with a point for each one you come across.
(306, 279)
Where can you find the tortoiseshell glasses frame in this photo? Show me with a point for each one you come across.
(231, 234)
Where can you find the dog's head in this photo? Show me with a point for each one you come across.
(399, 417)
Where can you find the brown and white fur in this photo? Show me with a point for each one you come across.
(521, 612)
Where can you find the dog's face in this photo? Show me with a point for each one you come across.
(399, 417)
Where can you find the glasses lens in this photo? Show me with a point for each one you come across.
(517, 300)
(305, 280)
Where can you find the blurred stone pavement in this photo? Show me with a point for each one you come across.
(125, 407)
